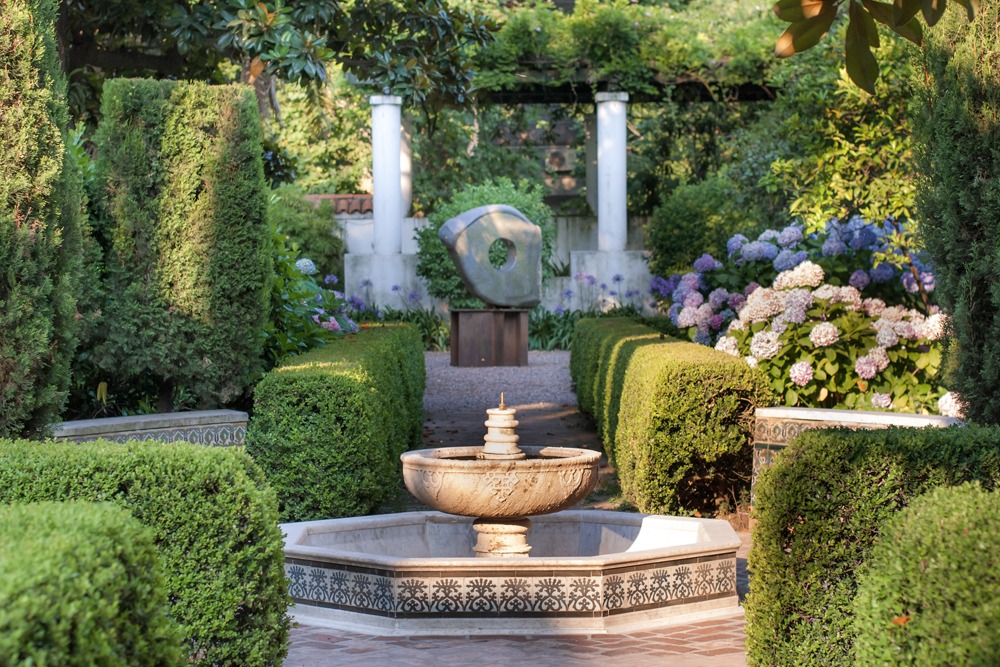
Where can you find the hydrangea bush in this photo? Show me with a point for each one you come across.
(842, 318)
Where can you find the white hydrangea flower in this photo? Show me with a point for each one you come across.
(751, 361)
(824, 334)
(880, 357)
(950, 405)
(895, 313)
(736, 325)
(886, 338)
(825, 292)
(806, 274)
(801, 373)
(729, 345)
(765, 344)
(873, 307)
(881, 400)
(934, 326)
(306, 266)
(762, 304)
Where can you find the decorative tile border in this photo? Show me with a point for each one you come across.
(511, 594)
(775, 428)
(215, 428)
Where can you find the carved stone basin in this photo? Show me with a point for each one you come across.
(453, 480)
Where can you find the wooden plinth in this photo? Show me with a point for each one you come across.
(489, 337)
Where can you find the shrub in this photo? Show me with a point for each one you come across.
(80, 585)
(328, 426)
(927, 597)
(40, 218)
(821, 508)
(675, 418)
(433, 262)
(184, 223)
(311, 229)
(958, 135)
(844, 317)
(213, 519)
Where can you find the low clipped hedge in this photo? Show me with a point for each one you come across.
(676, 418)
(214, 522)
(328, 426)
(80, 585)
(929, 595)
(821, 509)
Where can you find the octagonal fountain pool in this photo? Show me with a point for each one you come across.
(589, 571)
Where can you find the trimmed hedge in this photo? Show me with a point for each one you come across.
(184, 220)
(41, 208)
(676, 418)
(821, 508)
(213, 519)
(929, 596)
(80, 585)
(328, 426)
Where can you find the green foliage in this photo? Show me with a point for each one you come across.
(311, 229)
(304, 314)
(434, 331)
(40, 222)
(80, 585)
(184, 223)
(821, 508)
(551, 330)
(956, 119)
(696, 218)
(433, 262)
(214, 522)
(811, 22)
(925, 598)
(676, 418)
(328, 426)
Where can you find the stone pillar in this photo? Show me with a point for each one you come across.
(612, 196)
(590, 126)
(387, 200)
(406, 168)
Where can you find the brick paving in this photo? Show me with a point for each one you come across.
(709, 643)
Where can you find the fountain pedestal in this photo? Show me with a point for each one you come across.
(501, 539)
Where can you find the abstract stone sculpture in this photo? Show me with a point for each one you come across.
(468, 237)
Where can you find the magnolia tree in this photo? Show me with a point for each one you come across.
(831, 322)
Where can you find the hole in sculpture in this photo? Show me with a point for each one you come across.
(503, 254)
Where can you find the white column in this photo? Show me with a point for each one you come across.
(612, 204)
(406, 168)
(387, 199)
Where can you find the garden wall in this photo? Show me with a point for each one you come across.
(221, 428)
(329, 425)
(675, 417)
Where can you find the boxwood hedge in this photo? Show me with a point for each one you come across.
(329, 425)
(929, 596)
(675, 417)
(214, 521)
(820, 510)
(80, 585)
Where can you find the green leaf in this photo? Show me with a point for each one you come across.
(794, 11)
(904, 11)
(803, 35)
(933, 11)
(861, 36)
(884, 14)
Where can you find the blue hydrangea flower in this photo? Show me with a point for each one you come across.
(833, 246)
(927, 278)
(735, 243)
(788, 259)
(909, 282)
(756, 251)
(703, 338)
(674, 311)
(883, 273)
(768, 235)
(718, 297)
(859, 279)
(706, 263)
(863, 238)
(306, 266)
(660, 286)
(789, 236)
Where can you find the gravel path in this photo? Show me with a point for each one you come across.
(543, 383)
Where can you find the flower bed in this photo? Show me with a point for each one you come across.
(838, 318)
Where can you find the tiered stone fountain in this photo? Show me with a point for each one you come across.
(470, 571)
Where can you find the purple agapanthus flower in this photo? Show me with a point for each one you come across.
(617, 278)
(366, 283)
(330, 279)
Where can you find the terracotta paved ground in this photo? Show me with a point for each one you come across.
(712, 643)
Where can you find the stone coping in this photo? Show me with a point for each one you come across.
(705, 537)
(867, 417)
(109, 426)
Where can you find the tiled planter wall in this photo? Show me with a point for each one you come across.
(774, 428)
(218, 428)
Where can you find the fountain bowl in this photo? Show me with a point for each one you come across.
(455, 480)
(590, 571)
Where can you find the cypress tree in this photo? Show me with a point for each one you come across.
(40, 217)
(957, 127)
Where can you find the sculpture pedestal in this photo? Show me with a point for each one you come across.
(489, 337)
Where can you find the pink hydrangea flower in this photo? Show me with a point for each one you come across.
(801, 373)
(824, 334)
(881, 400)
